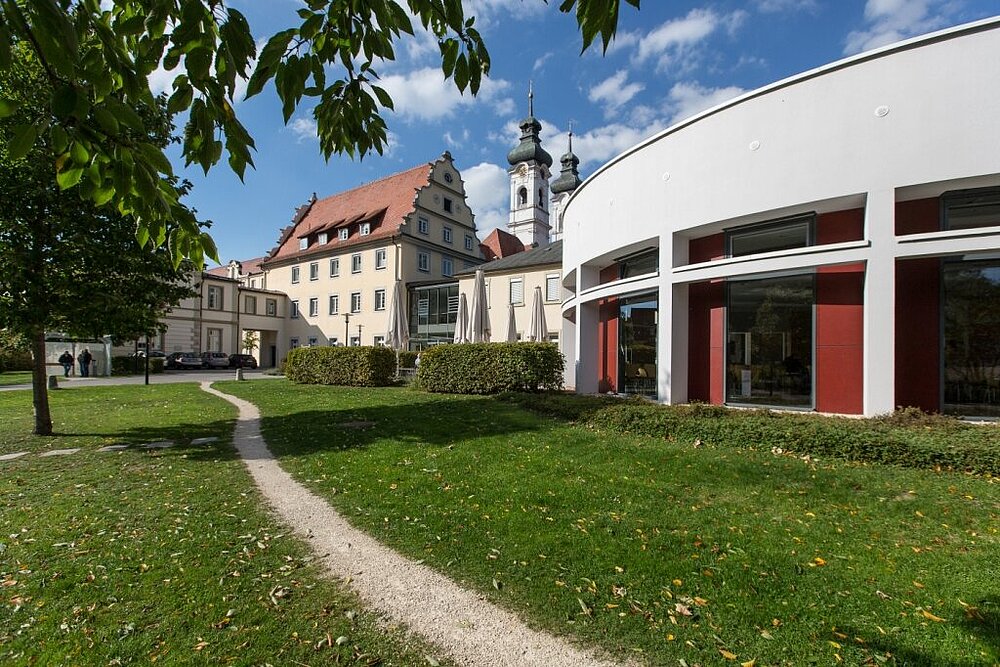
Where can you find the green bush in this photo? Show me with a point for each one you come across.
(15, 353)
(904, 438)
(490, 368)
(350, 366)
(407, 359)
(133, 366)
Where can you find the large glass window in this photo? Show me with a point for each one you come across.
(639, 264)
(970, 209)
(771, 236)
(433, 313)
(971, 354)
(769, 341)
(637, 345)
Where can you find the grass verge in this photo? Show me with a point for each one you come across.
(661, 550)
(15, 377)
(161, 555)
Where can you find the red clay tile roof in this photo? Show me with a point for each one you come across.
(247, 266)
(384, 203)
(220, 271)
(500, 244)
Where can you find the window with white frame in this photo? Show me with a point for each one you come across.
(313, 306)
(355, 302)
(250, 305)
(293, 343)
(272, 307)
(294, 313)
(322, 238)
(214, 340)
(355, 341)
(343, 233)
(517, 291)
(356, 263)
(333, 342)
(447, 266)
(380, 299)
(253, 282)
(423, 261)
(423, 226)
(380, 258)
(446, 234)
(366, 228)
(214, 297)
(469, 243)
(313, 341)
(295, 274)
(314, 271)
(378, 341)
(334, 304)
(334, 267)
(447, 205)
(304, 243)
(552, 287)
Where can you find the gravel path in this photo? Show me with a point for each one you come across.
(461, 623)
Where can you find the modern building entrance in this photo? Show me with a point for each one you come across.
(637, 324)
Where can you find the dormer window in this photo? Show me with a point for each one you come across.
(343, 234)
(366, 228)
(322, 238)
(303, 243)
(522, 196)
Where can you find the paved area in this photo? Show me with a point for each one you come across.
(157, 378)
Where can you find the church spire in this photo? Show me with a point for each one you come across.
(569, 177)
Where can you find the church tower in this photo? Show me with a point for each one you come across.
(564, 186)
(529, 183)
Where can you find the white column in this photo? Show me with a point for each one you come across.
(880, 304)
(567, 343)
(586, 348)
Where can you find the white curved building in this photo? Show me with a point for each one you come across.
(830, 242)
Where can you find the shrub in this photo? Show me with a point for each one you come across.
(15, 353)
(350, 366)
(906, 438)
(133, 366)
(491, 368)
(407, 359)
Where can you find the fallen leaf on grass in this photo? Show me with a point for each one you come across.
(931, 617)
(728, 655)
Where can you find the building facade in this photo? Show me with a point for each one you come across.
(830, 242)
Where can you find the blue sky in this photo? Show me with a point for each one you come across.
(670, 60)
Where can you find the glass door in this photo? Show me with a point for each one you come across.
(971, 316)
(637, 322)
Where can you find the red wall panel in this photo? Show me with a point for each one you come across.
(706, 248)
(607, 350)
(840, 226)
(839, 363)
(918, 216)
(918, 334)
(705, 341)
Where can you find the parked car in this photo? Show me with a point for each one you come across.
(242, 361)
(152, 354)
(214, 360)
(182, 360)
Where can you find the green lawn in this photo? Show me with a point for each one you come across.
(652, 549)
(163, 556)
(15, 377)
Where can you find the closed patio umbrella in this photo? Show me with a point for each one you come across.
(479, 323)
(511, 325)
(398, 334)
(462, 321)
(538, 331)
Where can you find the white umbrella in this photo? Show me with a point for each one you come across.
(462, 321)
(398, 335)
(511, 325)
(538, 331)
(479, 323)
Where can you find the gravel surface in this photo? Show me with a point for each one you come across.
(469, 629)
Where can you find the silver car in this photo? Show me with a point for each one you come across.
(214, 360)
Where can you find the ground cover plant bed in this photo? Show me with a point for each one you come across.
(657, 550)
(907, 437)
(161, 554)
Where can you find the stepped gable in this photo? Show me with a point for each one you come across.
(384, 203)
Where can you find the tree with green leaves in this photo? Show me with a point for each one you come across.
(98, 57)
(67, 264)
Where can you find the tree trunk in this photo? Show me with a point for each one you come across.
(39, 385)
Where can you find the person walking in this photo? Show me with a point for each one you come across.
(85, 358)
(66, 359)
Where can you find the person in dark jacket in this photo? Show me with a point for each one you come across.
(66, 359)
(85, 358)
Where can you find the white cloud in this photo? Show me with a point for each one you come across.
(304, 129)
(487, 187)
(890, 21)
(504, 107)
(614, 92)
(540, 60)
(454, 142)
(781, 6)
(676, 44)
(424, 94)
(688, 98)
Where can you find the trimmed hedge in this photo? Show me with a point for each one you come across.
(15, 360)
(490, 368)
(407, 359)
(349, 366)
(907, 437)
(127, 365)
